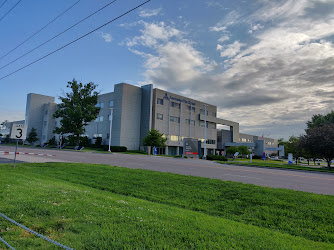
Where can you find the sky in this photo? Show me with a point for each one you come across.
(268, 65)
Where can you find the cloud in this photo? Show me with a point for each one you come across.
(223, 38)
(149, 13)
(230, 50)
(106, 36)
(272, 83)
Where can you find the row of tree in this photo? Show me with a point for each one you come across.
(317, 142)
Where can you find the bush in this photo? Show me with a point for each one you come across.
(98, 141)
(257, 157)
(84, 141)
(216, 158)
(52, 141)
(115, 148)
(137, 152)
(177, 156)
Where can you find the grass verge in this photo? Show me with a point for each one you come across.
(93, 206)
(279, 165)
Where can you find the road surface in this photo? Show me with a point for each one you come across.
(320, 183)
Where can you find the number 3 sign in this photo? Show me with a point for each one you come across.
(19, 131)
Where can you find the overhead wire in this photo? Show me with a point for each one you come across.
(9, 10)
(3, 3)
(26, 40)
(27, 53)
(79, 38)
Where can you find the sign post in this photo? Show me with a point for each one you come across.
(18, 132)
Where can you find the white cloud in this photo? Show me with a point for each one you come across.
(223, 38)
(149, 13)
(230, 50)
(217, 28)
(106, 36)
(271, 86)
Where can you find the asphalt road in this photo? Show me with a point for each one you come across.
(320, 183)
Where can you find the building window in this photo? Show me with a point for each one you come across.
(192, 122)
(213, 125)
(99, 119)
(214, 114)
(201, 123)
(160, 101)
(45, 112)
(160, 116)
(44, 137)
(97, 135)
(175, 105)
(243, 140)
(210, 141)
(109, 117)
(192, 108)
(107, 135)
(45, 123)
(111, 103)
(99, 105)
(56, 124)
(174, 138)
(202, 111)
(174, 119)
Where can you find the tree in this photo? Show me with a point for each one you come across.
(4, 124)
(154, 138)
(320, 120)
(320, 141)
(231, 150)
(77, 109)
(291, 145)
(243, 150)
(32, 136)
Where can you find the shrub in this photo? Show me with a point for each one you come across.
(84, 141)
(137, 152)
(52, 141)
(216, 158)
(98, 141)
(257, 157)
(177, 156)
(115, 148)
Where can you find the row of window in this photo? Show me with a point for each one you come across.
(100, 118)
(101, 104)
(187, 121)
(178, 105)
(180, 138)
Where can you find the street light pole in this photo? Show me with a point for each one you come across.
(111, 113)
(204, 156)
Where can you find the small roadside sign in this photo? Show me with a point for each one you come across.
(19, 132)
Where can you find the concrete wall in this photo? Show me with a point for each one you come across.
(146, 110)
(35, 112)
(176, 131)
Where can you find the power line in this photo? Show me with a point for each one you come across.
(57, 35)
(41, 58)
(10, 10)
(3, 3)
(40, 29)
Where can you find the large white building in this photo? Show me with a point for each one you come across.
(132, 111)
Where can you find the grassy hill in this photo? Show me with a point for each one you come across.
(88, 206)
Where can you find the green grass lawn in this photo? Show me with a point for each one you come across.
(89, 206)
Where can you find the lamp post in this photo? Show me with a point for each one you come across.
(111, 113)
(204, 156)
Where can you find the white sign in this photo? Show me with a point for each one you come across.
(19, 131)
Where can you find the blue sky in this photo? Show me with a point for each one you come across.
(268, 65)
